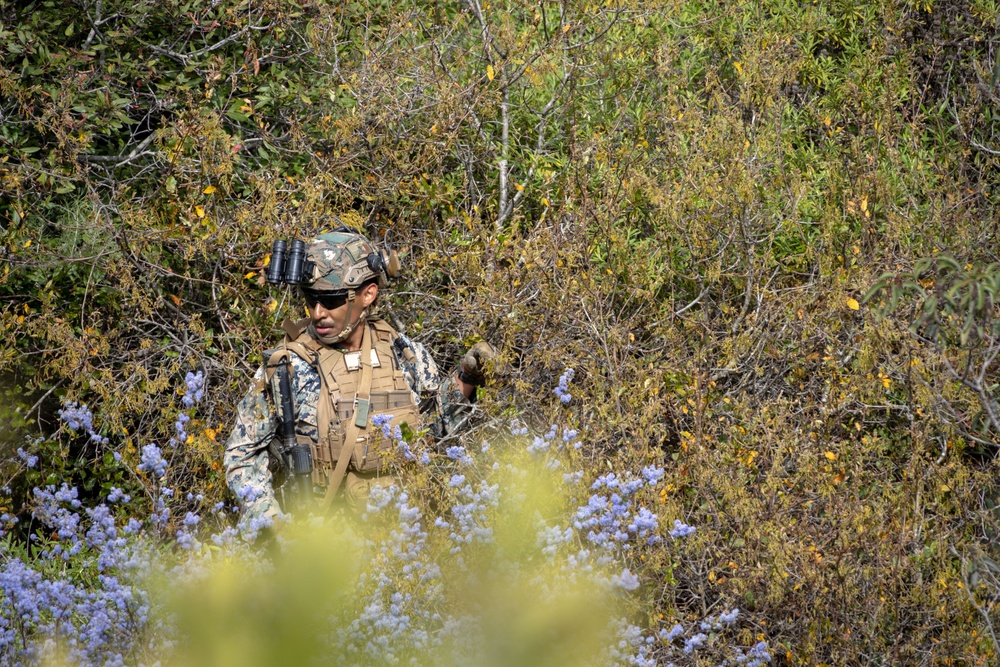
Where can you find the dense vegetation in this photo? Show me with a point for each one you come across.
(688, 202)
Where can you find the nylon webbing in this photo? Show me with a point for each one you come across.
(354, 430)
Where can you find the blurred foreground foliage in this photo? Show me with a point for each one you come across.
(686, 201)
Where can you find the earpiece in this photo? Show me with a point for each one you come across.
(386, 263)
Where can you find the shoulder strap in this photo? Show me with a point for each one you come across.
(360, 423)
(294, 328)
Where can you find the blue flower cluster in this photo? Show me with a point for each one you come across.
(470, 512)
(541, 444)
(458, 453)
(562, 389)
(392, 622)
(608, 520)
(152, 461)
(29, 459)
(194, 389)
(95, 624)
(79, 416)
(681, 529)
(634, 647)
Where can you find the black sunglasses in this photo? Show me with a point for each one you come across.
(329, 300)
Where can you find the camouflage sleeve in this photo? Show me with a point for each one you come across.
(446, 410)
(246, 458)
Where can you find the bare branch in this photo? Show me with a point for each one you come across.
(120, 160)
(183, 58)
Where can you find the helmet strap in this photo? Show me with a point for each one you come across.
(349, 325)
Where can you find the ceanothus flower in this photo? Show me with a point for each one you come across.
(152, 461)
(194, 389)
(681, 529)
(562, 389)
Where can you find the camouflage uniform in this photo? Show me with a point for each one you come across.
(246, 457)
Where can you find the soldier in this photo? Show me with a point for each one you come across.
(343, 368)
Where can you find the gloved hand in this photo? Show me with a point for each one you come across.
(472, 368)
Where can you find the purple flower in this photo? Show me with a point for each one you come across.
(562, 389)
(626, 580)
(116, 494)
(27, 458)
(695, 642)
(79, 416)
(681, 529)
(195, 389)
(152, 461)
(382, 421)
(729, 617)
(652, 474)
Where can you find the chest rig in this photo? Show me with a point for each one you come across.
(354, 386)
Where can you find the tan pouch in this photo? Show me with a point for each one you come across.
(357, 488)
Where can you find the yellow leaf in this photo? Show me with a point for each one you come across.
(864, 203)
(738, 65)
(27, 243)
(827, 121)
(489, 72)
(249, 275)
(545, 202)
(199, 211)
(853, 304)
(272, 305)
(209, 190)
(518, 187)
(831, 456)
(210, 434)
(566, 28)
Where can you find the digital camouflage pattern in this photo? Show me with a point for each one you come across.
(341, 261)
(258, 418)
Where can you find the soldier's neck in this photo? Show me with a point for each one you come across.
(353, 342)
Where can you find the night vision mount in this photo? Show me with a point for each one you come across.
(289, 266)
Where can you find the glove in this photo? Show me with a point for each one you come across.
(472, 368)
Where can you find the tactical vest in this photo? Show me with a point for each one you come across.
(354, 387)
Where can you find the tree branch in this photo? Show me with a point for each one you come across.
(183, 58)
(120, 160)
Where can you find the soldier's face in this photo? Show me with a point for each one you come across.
(330, 311)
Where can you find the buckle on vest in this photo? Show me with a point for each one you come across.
(361, 407)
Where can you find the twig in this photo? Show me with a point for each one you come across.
(184, 58)
(119, 160)
(44, 396)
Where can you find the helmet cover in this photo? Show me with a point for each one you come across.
(340, 262)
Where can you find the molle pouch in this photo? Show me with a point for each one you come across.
(322, 463)
(357, 488)
(370, 454)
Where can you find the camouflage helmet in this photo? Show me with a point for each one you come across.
(345, 260)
